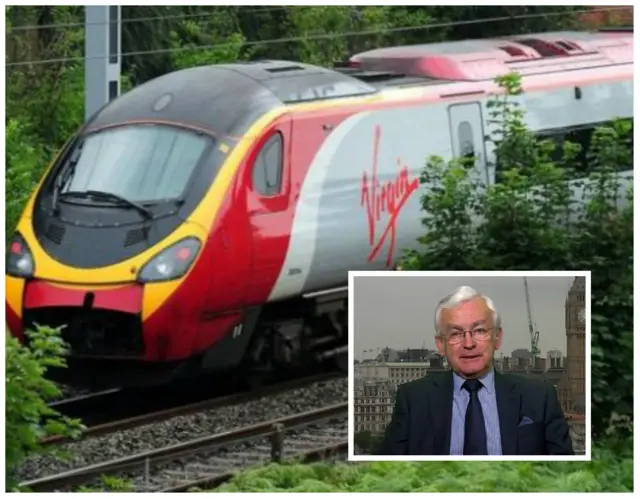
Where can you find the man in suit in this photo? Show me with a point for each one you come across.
(474, 410)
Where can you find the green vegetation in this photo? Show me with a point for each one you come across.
(526, 221)
(27, 416)
(606, 472)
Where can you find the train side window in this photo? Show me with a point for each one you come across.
(465, 140)
(267, 169)
(581, 136)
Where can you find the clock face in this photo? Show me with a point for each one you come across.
(581, 316)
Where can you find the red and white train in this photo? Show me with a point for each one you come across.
(207, 219)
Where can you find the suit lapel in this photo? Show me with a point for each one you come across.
(508, 403)
(440, 402)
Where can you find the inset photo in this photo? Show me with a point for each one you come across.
(469, 366)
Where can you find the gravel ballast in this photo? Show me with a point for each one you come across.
(233, 458)
(183, 428)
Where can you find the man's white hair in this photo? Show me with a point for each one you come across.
(463, 294)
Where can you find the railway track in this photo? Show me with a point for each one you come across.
(80, 406)
(211, 460)
(146, 408)
(96, 408)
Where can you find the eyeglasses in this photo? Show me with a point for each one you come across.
(478, 333)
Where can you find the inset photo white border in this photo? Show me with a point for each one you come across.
(428, 335)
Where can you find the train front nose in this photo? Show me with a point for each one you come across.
(98, 322)
(109, 344)
(102, 313)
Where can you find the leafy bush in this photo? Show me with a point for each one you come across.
(610, 470)
(28, 418)
(529, 220)
(23, 166)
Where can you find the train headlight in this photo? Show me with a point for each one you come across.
(19, 261)
(172, 262)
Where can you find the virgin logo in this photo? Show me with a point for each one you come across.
(388, 197)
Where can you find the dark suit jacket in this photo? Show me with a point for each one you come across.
(421, 420)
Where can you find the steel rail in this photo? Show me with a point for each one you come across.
(191, 408)
(169, 453)
(215, 480)
(55, 405)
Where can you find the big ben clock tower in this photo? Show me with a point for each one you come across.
(576, 337)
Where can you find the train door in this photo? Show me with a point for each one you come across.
(467, 134)
(268, 208)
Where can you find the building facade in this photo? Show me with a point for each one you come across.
(554, 359)
(576, 344)
(373, 405)
(375, 387)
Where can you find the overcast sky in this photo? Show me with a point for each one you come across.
(399, 312)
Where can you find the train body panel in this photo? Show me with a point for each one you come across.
(269, 206)
(294, 175)
(310, 155)
(360, 203)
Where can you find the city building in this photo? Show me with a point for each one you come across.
(398, 372)
(576, 348)
(571, 386)
(520, 359)
(371, 371)
(563, 389)
(554, 359)
(577, 432)
(540, 364)
(373, 405)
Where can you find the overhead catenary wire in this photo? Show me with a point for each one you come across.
(170, 17)
(324, 36)
(129, 20)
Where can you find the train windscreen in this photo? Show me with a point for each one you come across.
(140, 163)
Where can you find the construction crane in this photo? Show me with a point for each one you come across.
(533, 332)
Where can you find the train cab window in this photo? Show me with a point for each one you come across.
(465, 140)
(143, 163)
(267, 169)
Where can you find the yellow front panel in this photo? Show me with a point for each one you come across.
(14, 289)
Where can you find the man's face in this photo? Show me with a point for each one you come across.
(471, 357)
